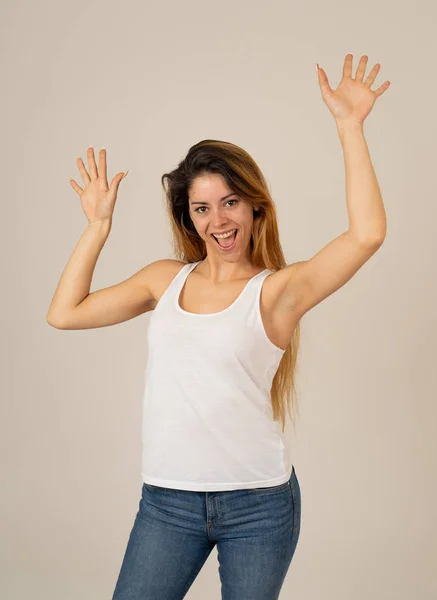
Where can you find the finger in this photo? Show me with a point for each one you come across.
(323, 82)
(92, 164)
(83, 171)
(76, 187)
(361, 68)
(372, 75)
(382, 88)
(347, 67)
(116, 181)
(102, 166)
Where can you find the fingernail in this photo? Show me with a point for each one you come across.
(125, 173)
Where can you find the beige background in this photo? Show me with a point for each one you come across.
(147, 82)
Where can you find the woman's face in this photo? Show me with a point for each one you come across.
(214, 208)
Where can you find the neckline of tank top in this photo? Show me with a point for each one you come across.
(191, 266)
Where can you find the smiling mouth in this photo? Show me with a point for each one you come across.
(226, 243)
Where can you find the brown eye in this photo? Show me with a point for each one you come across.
(202, 213)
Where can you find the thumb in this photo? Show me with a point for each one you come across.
(116, 181)
(323, 82)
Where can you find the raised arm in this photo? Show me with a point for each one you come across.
(304, 284)
(73, 306)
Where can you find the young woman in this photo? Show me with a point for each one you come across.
(223, 341)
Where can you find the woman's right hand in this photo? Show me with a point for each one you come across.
(97, 199)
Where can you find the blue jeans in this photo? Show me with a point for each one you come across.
(256, 532)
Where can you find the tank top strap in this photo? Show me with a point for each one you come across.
(255, 284)
(182, 275)
(174, 288)
(246, 305)
(249, 299)
(179, 281)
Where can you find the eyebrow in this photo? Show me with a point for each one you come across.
(224, 198)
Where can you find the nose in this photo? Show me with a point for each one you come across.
(218, 220)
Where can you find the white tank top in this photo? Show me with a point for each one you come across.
(207, 414)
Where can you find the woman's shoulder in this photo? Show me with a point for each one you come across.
(165, 271)
(171, 265)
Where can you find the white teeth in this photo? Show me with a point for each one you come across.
(224, 235)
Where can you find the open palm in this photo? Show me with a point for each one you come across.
(353, 100)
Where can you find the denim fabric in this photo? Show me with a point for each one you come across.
(255, 530)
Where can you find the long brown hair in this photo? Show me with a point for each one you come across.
(244, 177)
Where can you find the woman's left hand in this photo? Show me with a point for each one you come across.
(353, 100)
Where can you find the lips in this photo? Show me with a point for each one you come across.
(230, 244)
